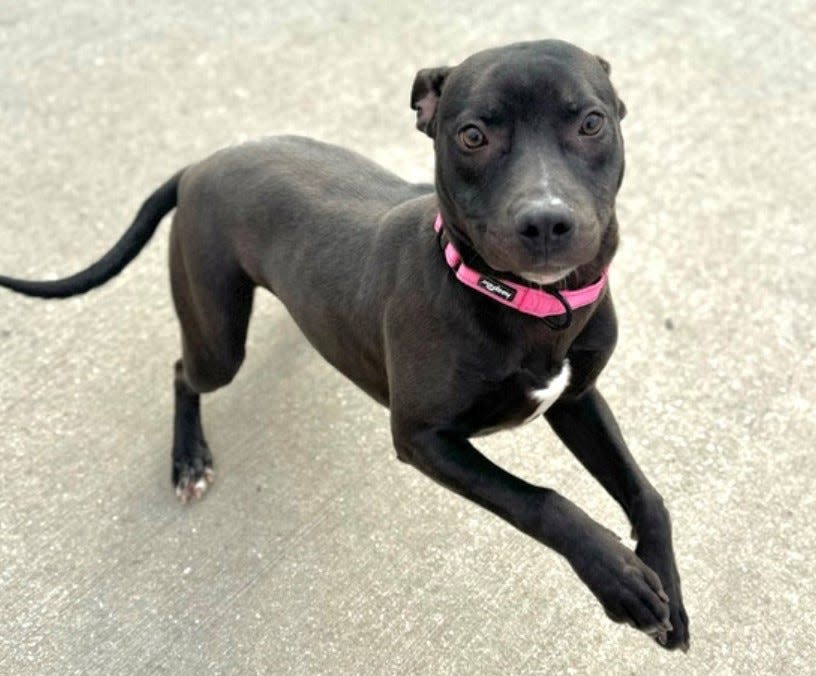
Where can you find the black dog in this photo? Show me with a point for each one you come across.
(499, 313)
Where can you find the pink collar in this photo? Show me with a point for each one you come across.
(536, 302)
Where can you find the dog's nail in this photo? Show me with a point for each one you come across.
(209, 475)
(667, 625)
(663, 596)
(685, 646)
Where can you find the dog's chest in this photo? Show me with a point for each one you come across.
(517, 400)
(546, 396)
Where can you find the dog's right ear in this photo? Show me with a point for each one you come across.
(425, 96)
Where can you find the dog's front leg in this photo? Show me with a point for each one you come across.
(588, 428)
(626, 587)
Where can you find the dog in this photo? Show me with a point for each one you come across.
(468, 306)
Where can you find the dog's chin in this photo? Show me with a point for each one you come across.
(545, 279)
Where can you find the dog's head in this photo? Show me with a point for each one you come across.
(529, 156)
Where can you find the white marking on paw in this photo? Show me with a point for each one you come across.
(187, 489)
(547, 396)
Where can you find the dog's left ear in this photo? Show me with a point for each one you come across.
(425, 96)
(608, 70)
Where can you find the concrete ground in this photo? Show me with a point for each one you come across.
(317, 552)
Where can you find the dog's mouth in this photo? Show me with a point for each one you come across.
(546, 278)
(535, 272)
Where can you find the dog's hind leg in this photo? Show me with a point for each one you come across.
(192, 460)
(213, 300)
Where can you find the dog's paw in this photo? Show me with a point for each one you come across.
(629, 591)
(192, 468)
(192, 486)
(661, 560)
(679, 638)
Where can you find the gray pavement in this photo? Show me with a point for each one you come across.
(317, 552)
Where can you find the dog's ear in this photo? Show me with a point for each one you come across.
(425, 96)
(608, 70)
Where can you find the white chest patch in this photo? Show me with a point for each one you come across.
(547, 396)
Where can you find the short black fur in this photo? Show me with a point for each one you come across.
(350, 250)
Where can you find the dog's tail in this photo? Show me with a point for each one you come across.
(156, 207)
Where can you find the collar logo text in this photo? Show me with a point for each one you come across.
(497, 288)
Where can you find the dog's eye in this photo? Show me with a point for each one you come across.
(592, 124)
(471, 137)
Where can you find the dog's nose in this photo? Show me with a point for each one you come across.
(550, 226)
